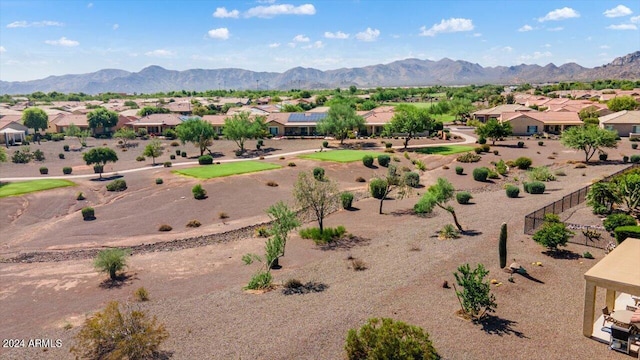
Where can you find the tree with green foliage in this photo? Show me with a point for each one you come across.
(494, 130)
(588, 139)
(381, 187)
(340, 119)
(388, 339)
(438, 195)
(590, 112)
(112, 334)
(602, 196)
(196, 131)
(461, 109)
(100, 156)
(317, 197)
(102, 118)
(125, 134)
(410, 120)
(627, 187)
(111, 261)
(620, 103)
(475, 298)
(153, 149)
(3, 155)
(36, 119)
(148, 110)
(553, 233)
(353, 89)
(241, 128)
(81, 135)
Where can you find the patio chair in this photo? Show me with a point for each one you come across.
(607, 315)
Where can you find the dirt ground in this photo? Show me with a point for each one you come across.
(197, 293)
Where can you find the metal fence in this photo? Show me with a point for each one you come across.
(534, 220)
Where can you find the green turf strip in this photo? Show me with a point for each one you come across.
(445, 149)
(226, 169)
(25, 187)
(343, 156)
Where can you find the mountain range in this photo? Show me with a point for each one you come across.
(408, 72)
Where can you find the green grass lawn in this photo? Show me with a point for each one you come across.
(425, 105)
(445, 149)
(25, 187)
(343, 156)
(226, 169)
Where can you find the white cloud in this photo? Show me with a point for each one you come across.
(301, 38)
(2, 49)
(222, 12)
(280, 9)
(604, 46)
(618, 11)
(24, 24)
(558, 28)
(63, 41)
(316, 45)
(507, 49)
(335, 35)
(368, 35)
(525, 28)
(447, 26)
(160, 53)
(535, 56)
(477, 34)
(220, 33)
(274, 45)
(89, 5)
(560, 14)
(622, 27)
(115, 26)
(635, 19)
(546, 45)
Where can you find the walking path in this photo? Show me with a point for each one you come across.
(468, 139)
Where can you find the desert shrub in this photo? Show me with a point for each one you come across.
(523, 163)
(183, 154)
(445, 167)
(140, 158)
(358, 264)
(580, 166)
(112, 334)
(485, 147)
(496, 152)
(367, 160)
(478, 150)
(480, 174)
(325, 144)
(384, 160)
(260, 281)
(378, 188)
(117, 185)
(21, 157)
(65, 147)
(420, 165)
(141, 294)
(205, 160)
(159, 181)
(603, 156)
(346, 199)
(327, 235)
(178, 152)
(540, 173)
(38, 155)
(44, 170)
(448, 232)
(172, 157)
(272, 183)
(67, 170)
(318, 173)
(389, 339)
(521, 144)
(493, 174)
(463, 197)
(535, 187)
(198, 192)
(88, 213)
(459, 170)
(194, 223)
(553, 233)
(167, 164)
(223, 215)
(360, 179)
(111, 261)
(291, 164)
(587, 255)
(501, 168)
(540, 143)
(80, 196)
(396, 159)
(475, 297)
(616, 220)
(512, 191)
(482, 140)
(625, 159)
(412, 179)
(635, 158)
(174, 144)
(262, 231)
(406, 155)
(468, 158)
(165, 227)
(624, 232)
(61, 156)
(634, 146)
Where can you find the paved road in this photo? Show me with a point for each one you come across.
(467, 140)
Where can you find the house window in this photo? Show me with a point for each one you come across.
(635, 129)
(532, 129)
(609, 127)
(273, 130)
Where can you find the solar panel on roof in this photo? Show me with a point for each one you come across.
(306, 117)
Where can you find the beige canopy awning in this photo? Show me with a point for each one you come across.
(619, 271)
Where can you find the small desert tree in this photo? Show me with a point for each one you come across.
(111, 261)
(438, 195)
(112, 334)
(153, 149)
(36, 119)
(124, 135)
(318, 197)
(553, 233)
(81, 135)
(411, 120)
(102, 118)
(196, 131)
(241, 128)
(381, 187)
(494, 130)
(601, 197)
(588, 139)
(340, 119)
(100, 156)
(475, 297)
(388, 339)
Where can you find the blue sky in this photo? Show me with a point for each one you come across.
(42, 38)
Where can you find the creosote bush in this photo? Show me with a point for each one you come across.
(205, 160)
(468, 158)
(523, 163)
(463, 197)
(480, 174)
(358, 264)
(141, 294)
(327, 235)
(318, 173)
(412, 179)
(272, 183)
(193, 224)
(198, 192)
(165, 227)
(117, 185)
(367, 160)
(291, 164)
(88, 213)
(360, 179)
(384, 160)
(388, 339)
(159, 181)
(535, 187)
(512, 191)
(459, 170)
(80, 196)
(346, 199)
(67, 170)
(223, 215)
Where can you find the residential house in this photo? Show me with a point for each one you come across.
(61, 122)
(217, 121)
(535, 122)
(494, 113)
(181, 107)
(156, 124)
(376, 119)
(11, 130)
(625, 123)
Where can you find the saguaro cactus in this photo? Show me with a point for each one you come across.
(502, 246)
